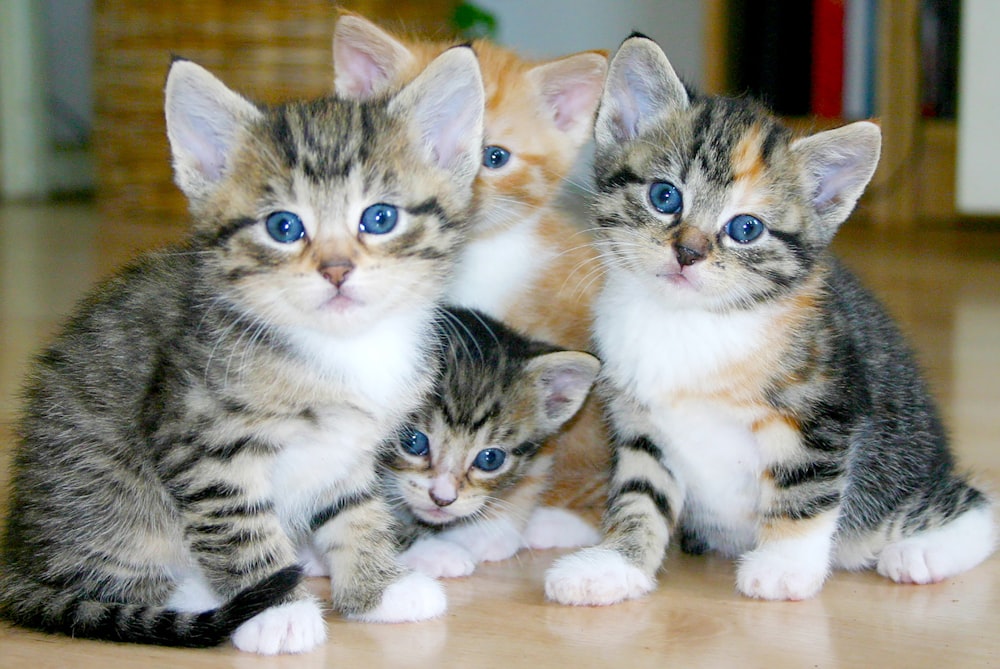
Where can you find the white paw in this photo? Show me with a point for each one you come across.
(438, 558)
(312, 563)
(595, 577)
(413, 597)
(908, 562)
(934, 555)
(772, 573)
(296, 627)
(486, 540)
(550, 527)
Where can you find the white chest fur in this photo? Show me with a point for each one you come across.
(666, 369)
(374, 380)
(494, 269)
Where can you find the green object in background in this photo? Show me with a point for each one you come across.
(473, 22)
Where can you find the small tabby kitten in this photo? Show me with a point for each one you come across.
(217, 405)
(527, 262)
(469, 471)
(763, 403)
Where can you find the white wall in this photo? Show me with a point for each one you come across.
(978, 173)
(46, 99)
(69, 51)
(547, 28)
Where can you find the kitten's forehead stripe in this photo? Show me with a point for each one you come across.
(346, 138)
(623, 177)
(281, 137)
(432, 207)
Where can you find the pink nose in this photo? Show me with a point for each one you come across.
(441, 501)
(337, 273)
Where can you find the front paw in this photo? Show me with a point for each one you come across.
(770, 573)
(595, 577)
(438, 558)
(550, 527)
(486, 540)
(296, 627)
(413, 597)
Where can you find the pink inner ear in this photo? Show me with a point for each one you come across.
(357, 73)
(572, 103)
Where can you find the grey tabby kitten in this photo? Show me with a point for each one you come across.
(216, 406)
(469, 469)
(763, 403)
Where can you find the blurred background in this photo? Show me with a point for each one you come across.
(85, 183)
(81, 80)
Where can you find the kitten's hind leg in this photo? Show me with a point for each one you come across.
(942, 552)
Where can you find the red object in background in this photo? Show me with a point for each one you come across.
(827, 97)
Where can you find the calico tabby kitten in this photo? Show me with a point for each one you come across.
(527, 263)
(763, 403)
(469, 469)
(217, 405)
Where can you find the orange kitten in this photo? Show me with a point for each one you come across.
(527, 262)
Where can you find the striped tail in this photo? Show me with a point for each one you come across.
(36, 606)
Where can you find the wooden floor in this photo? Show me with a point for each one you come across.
(943, 286)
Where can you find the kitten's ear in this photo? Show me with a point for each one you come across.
(366, 59)
(837, 166)
(204, 122)
(444, 108)
(570, 88)
(562, 381)
(641, 87)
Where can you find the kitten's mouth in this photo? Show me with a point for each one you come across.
(676, 279)
(341, 302)
(435, 515)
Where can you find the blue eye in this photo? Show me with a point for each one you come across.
(379, 219)
(285, 227)
(490, 459)
(415, 443)
(665, 197)
(495, 157)
(744, 228)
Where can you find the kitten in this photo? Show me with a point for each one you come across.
(469, 470)
(763, 403)
(217, 405)
(527, 263)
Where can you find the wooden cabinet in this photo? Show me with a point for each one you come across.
(266, 50)
(915, 182)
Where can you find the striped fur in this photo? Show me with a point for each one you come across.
(528, 262)
(499, 392)
(217, 405)
(764, 405)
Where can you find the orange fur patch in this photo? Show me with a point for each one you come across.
(557, 305)
(778, 529)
